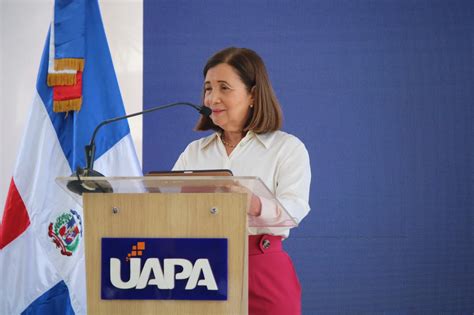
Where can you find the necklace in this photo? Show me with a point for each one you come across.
(227, 144)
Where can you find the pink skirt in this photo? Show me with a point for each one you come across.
(274, 287)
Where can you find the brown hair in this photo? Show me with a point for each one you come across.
(266, 115)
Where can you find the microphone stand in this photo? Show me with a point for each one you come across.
(80, 186)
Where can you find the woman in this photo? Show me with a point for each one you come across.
(247, 117)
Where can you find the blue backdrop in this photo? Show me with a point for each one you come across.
(381, 93)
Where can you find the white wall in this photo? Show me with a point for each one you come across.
(23, 28)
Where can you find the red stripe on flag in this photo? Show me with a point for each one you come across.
(67, 92)
(15, 217)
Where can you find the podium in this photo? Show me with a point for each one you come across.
(170, 244)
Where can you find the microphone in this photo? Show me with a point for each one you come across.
(80, 186)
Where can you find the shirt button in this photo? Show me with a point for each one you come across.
(266, 244)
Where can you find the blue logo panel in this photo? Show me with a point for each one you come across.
(164, 269)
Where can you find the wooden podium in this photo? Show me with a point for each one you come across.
(198, 207)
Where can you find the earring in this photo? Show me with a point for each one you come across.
(251, 105)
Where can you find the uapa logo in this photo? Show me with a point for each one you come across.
(66, 232)
(184, 269)
(161, 274)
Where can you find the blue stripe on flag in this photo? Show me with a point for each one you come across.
(69, 21)
(101, 97)
(54, 301)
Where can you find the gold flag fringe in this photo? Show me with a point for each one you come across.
(55, 79)
(67, 105)
(69, 64)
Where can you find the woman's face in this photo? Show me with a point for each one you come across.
(228, 98)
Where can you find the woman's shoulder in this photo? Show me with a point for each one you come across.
(283, 138)
(291, 147)
(201, 142)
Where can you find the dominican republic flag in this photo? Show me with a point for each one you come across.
(42, 268)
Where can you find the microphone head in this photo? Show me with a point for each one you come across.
(206, 111)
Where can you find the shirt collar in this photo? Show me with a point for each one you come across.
(265, 138)
(206, 141)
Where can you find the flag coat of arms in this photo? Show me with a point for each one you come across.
(42, 265)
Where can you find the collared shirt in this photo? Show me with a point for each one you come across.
(278, 158)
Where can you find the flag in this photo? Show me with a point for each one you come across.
(42, 265)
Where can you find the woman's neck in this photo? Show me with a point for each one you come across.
(233, 137)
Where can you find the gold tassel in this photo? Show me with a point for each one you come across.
(55, 79)
(69, 64)
(67, 105)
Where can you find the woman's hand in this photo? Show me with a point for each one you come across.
(255, 207)
(253, 201)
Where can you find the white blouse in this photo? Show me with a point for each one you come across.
(278, 158)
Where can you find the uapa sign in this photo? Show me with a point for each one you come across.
(164, 268)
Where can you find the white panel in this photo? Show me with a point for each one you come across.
(123, 23)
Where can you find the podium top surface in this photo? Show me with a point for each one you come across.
(184, 184)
